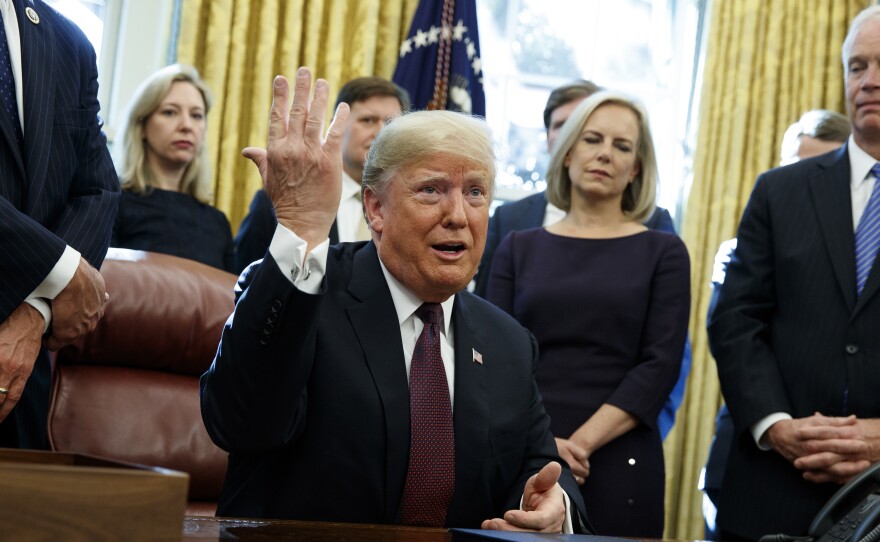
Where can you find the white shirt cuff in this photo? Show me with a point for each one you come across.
(567, 525)
(56, 281)
(60, 276)
(761, 426)
(303, 270)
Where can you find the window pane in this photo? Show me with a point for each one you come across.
(642, 47)
(86, 14)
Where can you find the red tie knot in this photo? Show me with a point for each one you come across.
(430, 313)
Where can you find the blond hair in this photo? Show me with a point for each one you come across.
(134, 169)
(637, 203)
(411, 137)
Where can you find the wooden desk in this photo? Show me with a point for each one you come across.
(197, 528)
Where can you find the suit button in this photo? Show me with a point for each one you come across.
(852, 348)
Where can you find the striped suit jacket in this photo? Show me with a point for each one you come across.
(61, 188)
(790, 334)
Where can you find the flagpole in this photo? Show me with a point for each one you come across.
(441, 80)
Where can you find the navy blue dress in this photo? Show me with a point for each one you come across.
(174, 223)
(610, 317)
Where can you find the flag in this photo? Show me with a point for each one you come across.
(478, 357)
(439, 63)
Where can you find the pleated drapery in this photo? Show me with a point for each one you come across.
(239, 46)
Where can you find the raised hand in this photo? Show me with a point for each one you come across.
(301, 169)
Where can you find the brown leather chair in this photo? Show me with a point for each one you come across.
(129, 390)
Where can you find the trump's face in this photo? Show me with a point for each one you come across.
(863, 84)
(430, 224)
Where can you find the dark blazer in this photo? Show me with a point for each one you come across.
(309, 395)
(529, 213)
(790, 335)
(60, 189)
(256, 231)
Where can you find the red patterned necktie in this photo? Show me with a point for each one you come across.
(430, 478)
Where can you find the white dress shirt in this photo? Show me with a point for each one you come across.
(65, 267)
(552, 214)
(351, 211)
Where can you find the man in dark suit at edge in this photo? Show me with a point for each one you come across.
(58, 197)
(535, 211)
(794, 332)
(310, 391)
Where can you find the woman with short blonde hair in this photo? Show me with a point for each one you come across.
(608, 301)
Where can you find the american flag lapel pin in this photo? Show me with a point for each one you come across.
(478, 357)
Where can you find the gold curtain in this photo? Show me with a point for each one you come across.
(239, 46)
(767, 62)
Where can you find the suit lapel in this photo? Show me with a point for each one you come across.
(334, 234)
(39, 98)
(5, 121)
(374, 321)
(829, 187)
(534, 215)
(471, 409)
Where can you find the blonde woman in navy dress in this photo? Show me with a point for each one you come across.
(164, 168)
(608, 301)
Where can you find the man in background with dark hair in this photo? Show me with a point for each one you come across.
(373, 101)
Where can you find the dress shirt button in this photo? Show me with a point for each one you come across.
(852, 348)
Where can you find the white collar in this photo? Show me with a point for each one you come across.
(406, 302)
(860, 163)
(350, 187)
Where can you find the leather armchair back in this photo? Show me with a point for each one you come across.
(129, 390)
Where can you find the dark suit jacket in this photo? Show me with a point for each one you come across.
(529, 213)
(60, 189)
(790, 335)
(309, 394)
(257, 229)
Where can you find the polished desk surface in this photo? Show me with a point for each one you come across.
(203, 528)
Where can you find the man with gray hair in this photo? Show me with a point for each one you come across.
(794, 332)
(360, 382)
